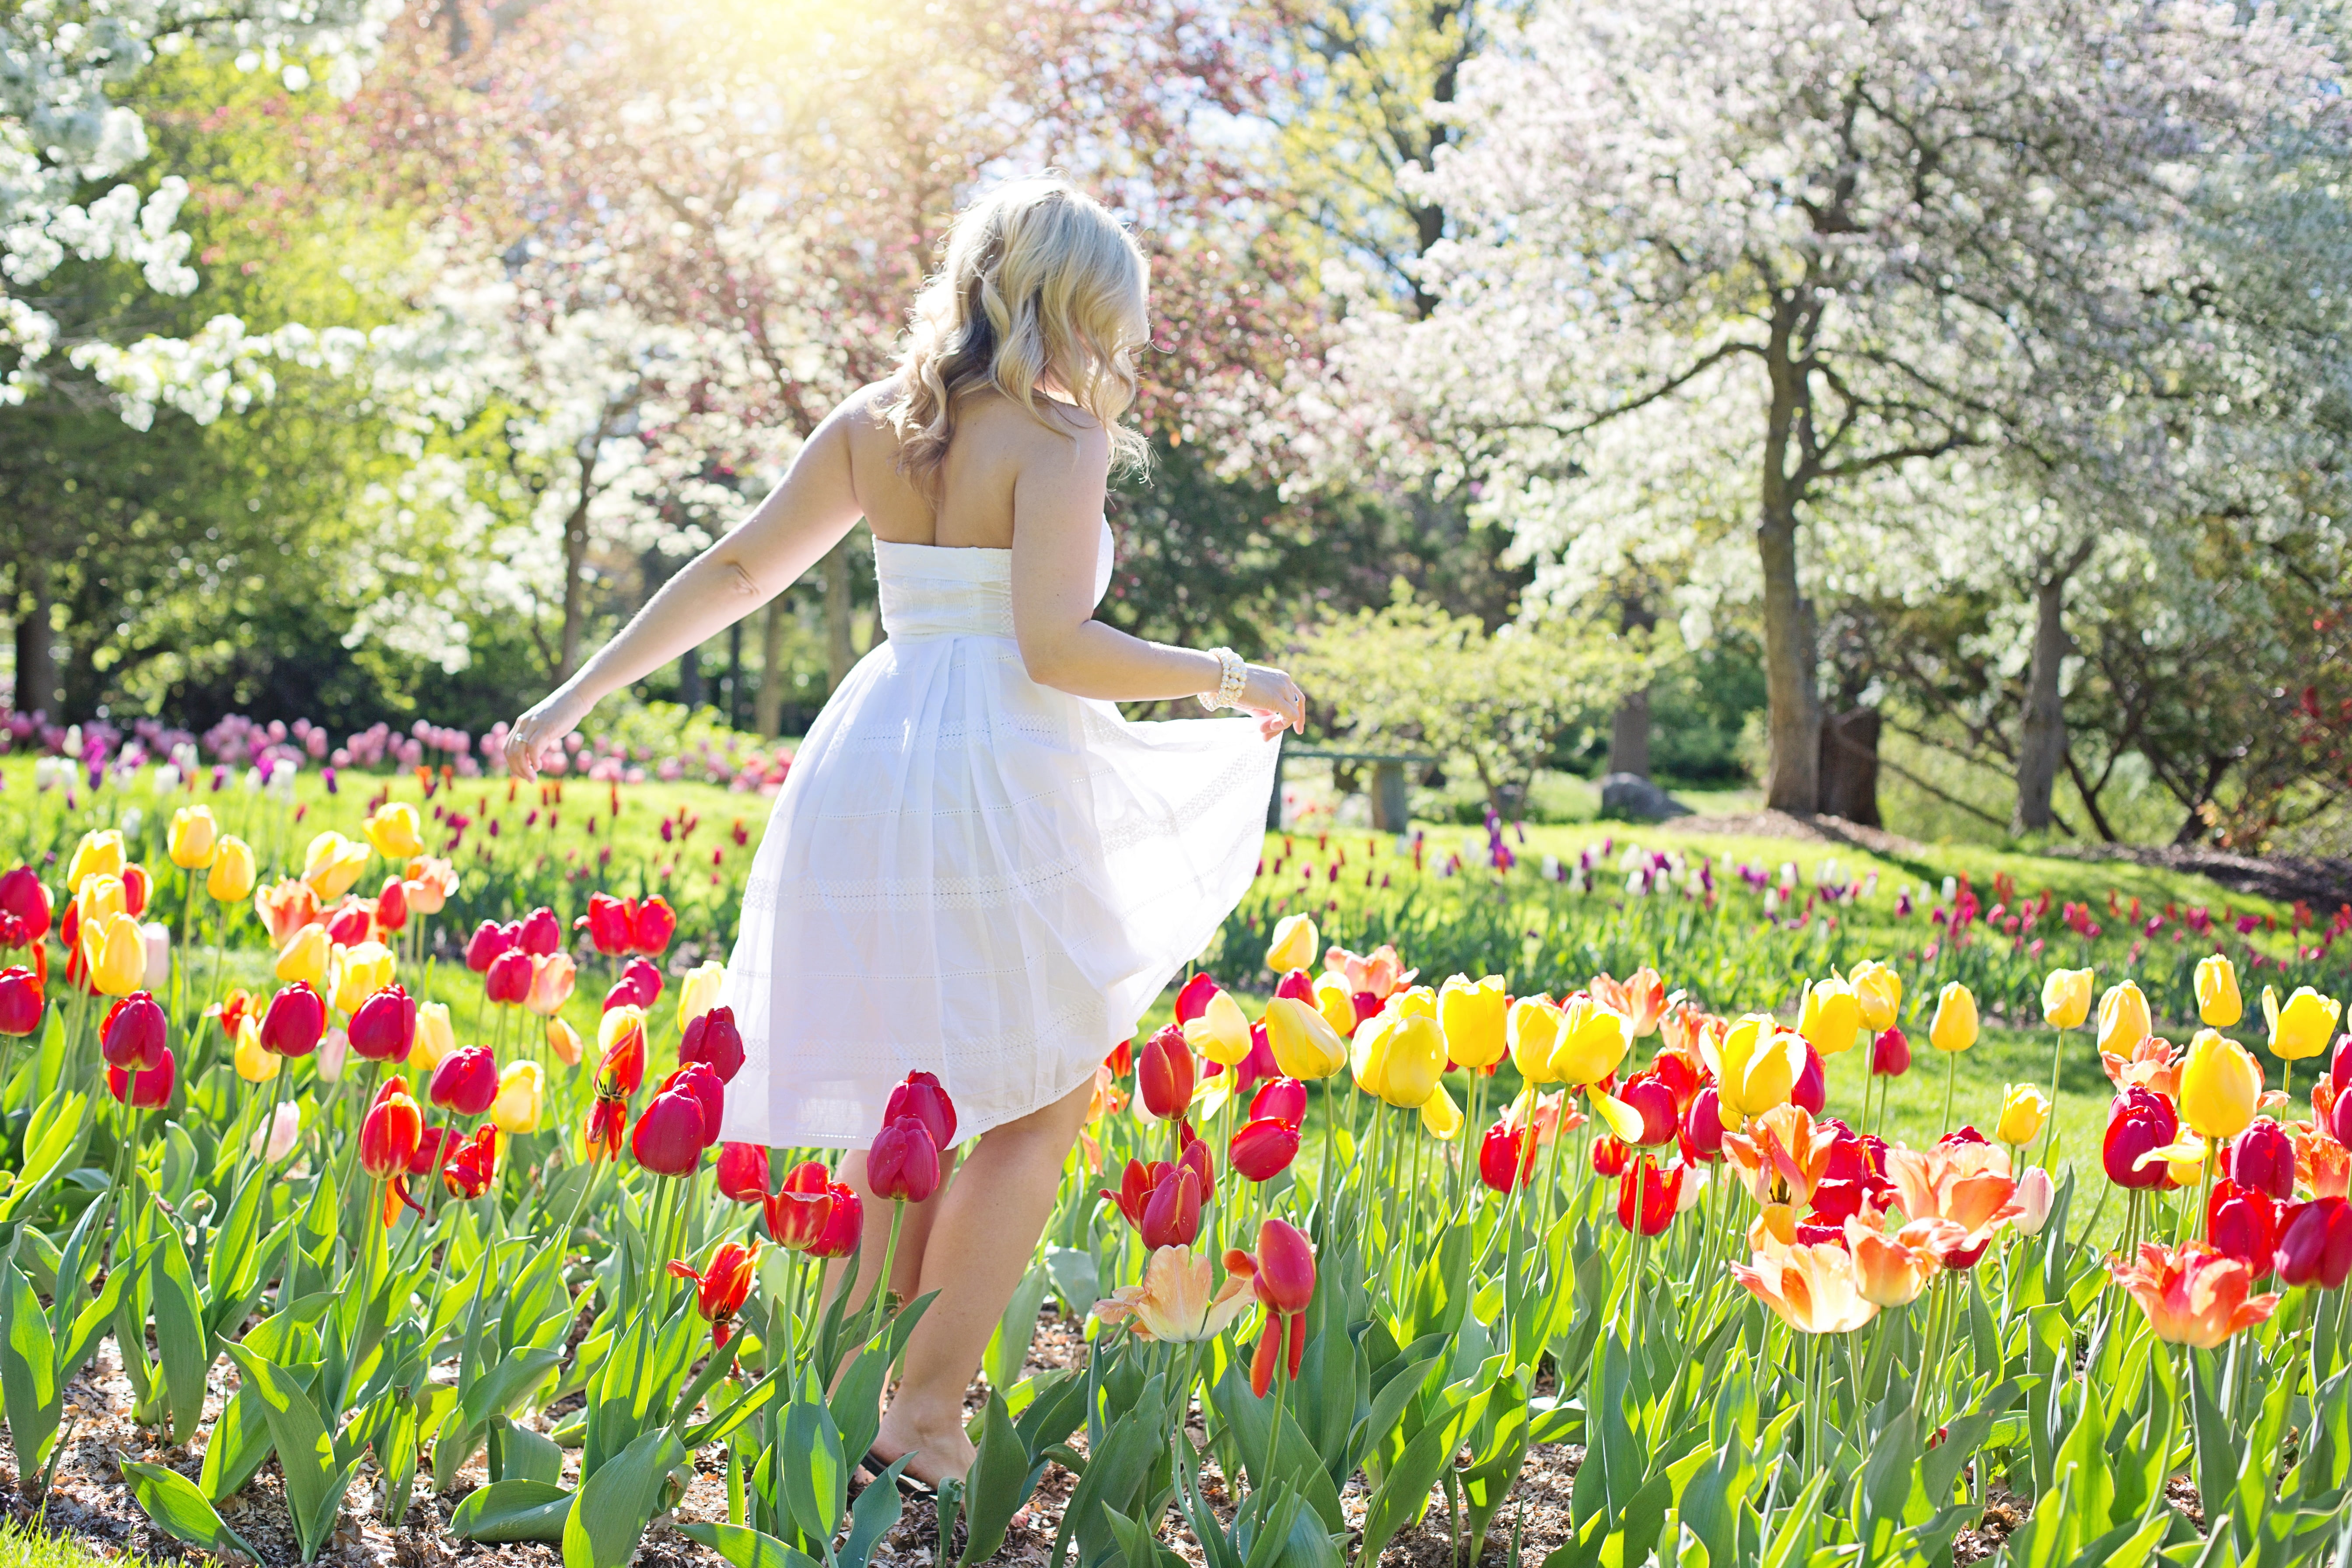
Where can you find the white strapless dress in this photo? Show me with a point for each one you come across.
(969, 874)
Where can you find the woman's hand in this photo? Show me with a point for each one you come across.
(1276, 698)
(542, 730)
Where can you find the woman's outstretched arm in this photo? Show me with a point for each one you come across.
(785, 535)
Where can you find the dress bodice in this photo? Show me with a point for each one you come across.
(931, 590)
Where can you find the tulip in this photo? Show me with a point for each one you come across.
(114, 954)
(1593, 1041)
(1954, 1027)
(2192, 1294)
(1757, 1066)
(392, 828)
(844, 1226)
(2314, 1243)
(639, 986)
(488, 941)
(1440, 1116)
(304, 957)
(2024, 1111)
(1304, 1044)
(1400, 1059)
(1811, 1090)
(1474, 1015)
(1282, 1277)
(903, 1164)
(2218, 1006)
(133, 1036)
(256, 1063)
(1888, 1272)
(2243, 1223)
(799, 1213)
(274, 1140)
(1878, 993)
(1296, 985)
(507, 982)
(540, 933)
(552, 978)
(1294, 943)
(392, 905)
(332, 863)
(466, 1082)
(468, 1169)
(1221, 1032)
(696, 1080)
(743, 1172)
(2123, 1020)
(99, 852)
(1815, 1287)
(721, 1289)
(563, 1042)
(2304, 1026)
(1336, 1002)
(1703, 1124)
(919, 1095)
(1890, 1053)
(2035, 1196)
(358, 973)
(1829, 1015)
(698, 992)
(667, 1139)
(20, 1001)
(2220, 1085)
(192, 838)
(1647, 1096)
(148, 1088)
(24, 900)
(1264, 1148)
(1506, 1156)
(523, 1099)
(2262, 1159)
(1532, 1029)
(621, 1049)
(392, 1130)
(101, 896)
(1174, 1304)
(2066, 997)
(1163, 1074)
(434, 1038)
(714, 1039)
(652, 925)
(384, 1026)
(234, 871)
(1647, 1198)
(2139, 1123)
(295, 1022)
(609, 923)
(1282, 1099)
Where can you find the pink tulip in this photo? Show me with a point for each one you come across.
(134, 1035)
(384, 1027)
(904, 1162)
(466, 1082)
(667, 1139)
(714, 1039)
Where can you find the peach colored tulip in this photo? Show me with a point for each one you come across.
(1968, 1183)
(1175, 1302)
(1888, 1271)
(1814, 1290)
(2192, 1294)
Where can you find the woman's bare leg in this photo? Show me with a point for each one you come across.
(979, 1243)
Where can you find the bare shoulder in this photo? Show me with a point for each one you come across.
(1057, 438)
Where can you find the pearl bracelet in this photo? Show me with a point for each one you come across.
(1233, 673)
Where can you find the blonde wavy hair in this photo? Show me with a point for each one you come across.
(1039, 282)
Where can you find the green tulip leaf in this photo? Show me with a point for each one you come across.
(513, 1510)
(181, 1510)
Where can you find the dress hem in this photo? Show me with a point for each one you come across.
(965, 1132)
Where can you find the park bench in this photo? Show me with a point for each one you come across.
(1390, 810)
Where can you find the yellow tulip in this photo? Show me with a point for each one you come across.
(1758, 1065)
(1440, 1115)
(304, 957)
(100, 897)
(2220, 1084)
(698, 993)
(2024, 1111)
(1221, 1032)
(357, 973)
(1593, 1040)
(2304, 1026)
(1533, 1030)
(1878, 990)
(1471, 1014)
(522, 1095)
(2066, 997)
(392, 827)
(191, 837)
(1954, 1027)
(1401, 1061)
(114, 953)
(233, 871)
(2218, 1006)
(1295, 944)
(1304, 1045)
(99, 854)
(254, 1064)
(1415, 1002)
(616, 1025)
(331, 864)
(2123, 1020)
(1830, 1015)
(435, 1036)
(1336, 1002)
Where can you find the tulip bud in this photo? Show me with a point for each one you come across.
(611, 923)
(384, 1027)
(99, 852)
(488, 941)
(1890, 1053)
(743, 1172)
(2243, 1223)
(392, 1130)
(2123, 1020)
(295, 1022)
(2261, 1159)
(255, 1062)
(713, 1038)
(2024, 1111)
(541, 934)
(1532, 1029)
(1647, 1198)
(153, 1087)
(1703, 1124)
(1647, 1096)
(1285, 1277)
(920, 1095)
(1281, 1100)
(1474, 1016)
(304, 958)
(2066, 997)
(233, 872)
(2035, 1196)
(2314, 1243)
(507, 982)
(331, 864)
(1878, 993)
(2139, 1122)
(903, 1164)
(435, 1036)
(654, 925)
(114, 954)
(799, 1213)
(2220, 1084)
(2301, 1027)
(392, 905)
(192, 838)
(1294, 943)
(1172, 1216)
(1221, 1032)
(21, 1001)
(466, 1082)
(2219, 1005)
(1336, 1004)
(1164, 1074)
(1194, 997)
(1811, 1090)
(696, 1080)
(1505, 1156)
(133, 1036)
(667, 1139)
(1954, 1027)
(1302, 1041)
(1297, 986)
(1264, 1148)
(1829, 1015)
(563, 1042)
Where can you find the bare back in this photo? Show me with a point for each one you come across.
(996, 441)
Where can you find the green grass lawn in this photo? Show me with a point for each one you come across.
(23, 1546)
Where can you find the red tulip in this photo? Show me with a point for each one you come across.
(384, 1027)
(918, 1095)
(2339, 1119)
(904, 1162)
(1282, 1276)
(656, 922)
(2139, 1121)
(472, 1164)
(1703, 1125)
(608, 1125)
(743, 1172)
(1192, 1153)
(1172, 1216)
(1283, 1100)
(25, 901)
(153, 1089)
(696, 1080)
(1507, 1155)
(1296, 986)
(488, 941)
(508, 980)
(1164, 1076)
(610, 923)
(1681, 1078)
(541, 934)
(296, 1021)
(466, 1082)
(846, 1227)
(721, 1290)
(667, 1139)
(1265, 1148)
(1121, 1060)
(392, 1130)
(350, 925)
(1194, 999)
(1653, 1101)
(2340, 1062)
(136, 886)
(432, 1149)
(798, 1215)
(1256, 1067)
(640, 985)
(391, 904)
(1890, 1055)
(1365, 1002)
(1610, 1157)
(20, 1001)
(1647, 1197)
(1811, 1091)
(2314, 1243)
(134, 1035)
(623, 1071)
(714, 1039)
(2242, 1222)
(2262, 1157)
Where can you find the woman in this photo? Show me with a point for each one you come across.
(977, 868)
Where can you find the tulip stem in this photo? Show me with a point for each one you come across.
(1951, 1070)
(2049, 1133)
(881, 1303)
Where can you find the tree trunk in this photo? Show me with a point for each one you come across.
(1849, 770)
(840, 651)
(735, 675)
(1792, 774)
(768, 708)
(689, 679)
(2041, 738)
(1629, 730)
(37, 662)
(576, 586)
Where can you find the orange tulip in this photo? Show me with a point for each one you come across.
(1641, 996)
(286, 907)
(1814, 1290)
(1889, 1271)
(2192, 1294)
(1781, 1154)
(1967, 1184)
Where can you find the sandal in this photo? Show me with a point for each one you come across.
(893, 1471)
